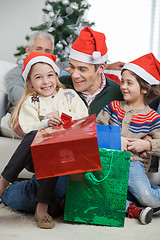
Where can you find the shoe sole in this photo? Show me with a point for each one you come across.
(146, 215)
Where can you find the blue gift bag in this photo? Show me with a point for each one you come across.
(109, 137)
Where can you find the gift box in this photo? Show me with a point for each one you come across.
(99, 197)
(66, 149)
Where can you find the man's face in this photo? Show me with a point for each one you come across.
(41, 45)
(84, 76)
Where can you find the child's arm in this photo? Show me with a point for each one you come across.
(29, 118)
(104, 116)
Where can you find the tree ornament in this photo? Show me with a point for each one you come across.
(65, 2)
(69, 39)
(49, 7)
(74, 5)
(69, 10)
(67, 49)
(59, 45)
(63, 19)
(51, 14)
(59, 21)
(51, 29)
(64, 42)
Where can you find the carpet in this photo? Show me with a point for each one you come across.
(21, 226)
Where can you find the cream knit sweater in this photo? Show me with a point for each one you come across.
(65, 100)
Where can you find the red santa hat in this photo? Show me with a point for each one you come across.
(147, 67)
(37, 57)
(90, 47)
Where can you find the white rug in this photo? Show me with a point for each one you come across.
(20, 226)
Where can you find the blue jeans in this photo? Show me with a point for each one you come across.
(21, 196)
(146, 193)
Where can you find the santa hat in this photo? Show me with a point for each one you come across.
(37, 57)
(147, 67)
(90, 47)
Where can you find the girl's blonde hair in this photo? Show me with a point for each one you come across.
(28, 91)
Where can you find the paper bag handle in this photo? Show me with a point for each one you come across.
(92, 176)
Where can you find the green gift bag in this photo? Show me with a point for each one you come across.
(99, 197)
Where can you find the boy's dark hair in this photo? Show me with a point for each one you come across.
(153, 91)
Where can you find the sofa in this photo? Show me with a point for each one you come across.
(7, 143)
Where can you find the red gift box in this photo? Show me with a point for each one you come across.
(66, 149)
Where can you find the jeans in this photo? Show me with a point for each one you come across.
(146, 193)
(21, 196)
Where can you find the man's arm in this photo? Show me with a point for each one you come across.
(15, 85)
(115, 66)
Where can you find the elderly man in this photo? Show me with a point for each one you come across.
(88, 59)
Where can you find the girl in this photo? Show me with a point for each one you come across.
(41, 106)
(140, 84)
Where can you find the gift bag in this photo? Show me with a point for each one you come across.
(66, 149)
(100, 197)
(109, 137)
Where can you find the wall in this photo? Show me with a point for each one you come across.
(126, 24)
(16, 18)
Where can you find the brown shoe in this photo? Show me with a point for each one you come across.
(44, 222)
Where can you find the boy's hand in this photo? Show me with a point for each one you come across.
(138, 145)
(124, 144)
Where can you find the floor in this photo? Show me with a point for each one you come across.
(21, 226)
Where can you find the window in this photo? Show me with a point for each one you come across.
(132, 27)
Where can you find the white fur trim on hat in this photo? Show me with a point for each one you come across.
(96, 55)
(39, 59)
(82, 57)
(142, 73)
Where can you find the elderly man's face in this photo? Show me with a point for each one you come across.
(41, 45)
(84, 76)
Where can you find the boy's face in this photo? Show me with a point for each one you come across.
(84, 76)
(130, 88)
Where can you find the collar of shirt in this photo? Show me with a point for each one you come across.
(88, 97)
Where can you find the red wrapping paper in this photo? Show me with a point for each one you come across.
(66, 149)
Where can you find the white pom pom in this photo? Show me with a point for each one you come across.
(96, 55)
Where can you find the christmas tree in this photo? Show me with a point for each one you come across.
(64, 19)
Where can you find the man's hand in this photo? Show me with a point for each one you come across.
(18, 130)
(115, 66)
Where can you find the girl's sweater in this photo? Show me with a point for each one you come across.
(36, 107)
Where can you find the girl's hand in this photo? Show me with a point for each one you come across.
(138, 145)
(54, 121)
(124, 144)
(52, 115)
(54, 118)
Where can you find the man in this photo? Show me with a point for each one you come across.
(87, 62)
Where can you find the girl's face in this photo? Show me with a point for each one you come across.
(130, 89)
(43, 79)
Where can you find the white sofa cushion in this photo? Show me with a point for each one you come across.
(5, 129)
(4, 68)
